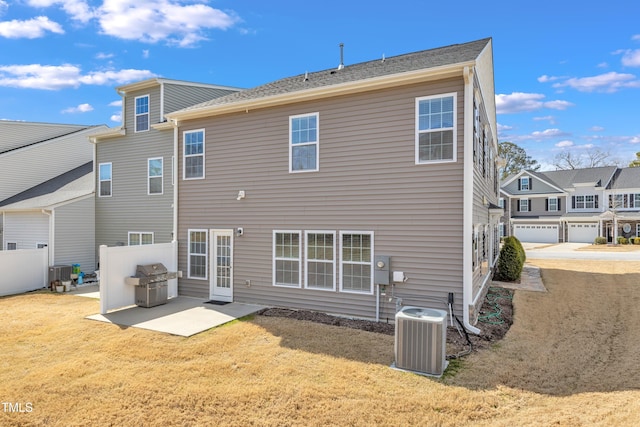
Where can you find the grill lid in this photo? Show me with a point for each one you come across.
(150, 270)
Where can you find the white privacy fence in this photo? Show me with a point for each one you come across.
(120, 262)
(23, 270)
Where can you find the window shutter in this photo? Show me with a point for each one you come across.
(519, 184)
(558, 203)
(546, 204)
(518, 205)
(530, 184)
(573, 202)
(529, 204)
(596, 199)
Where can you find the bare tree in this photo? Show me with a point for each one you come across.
(591, 158)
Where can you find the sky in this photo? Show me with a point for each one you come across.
(567, 74)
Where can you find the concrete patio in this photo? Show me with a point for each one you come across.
(183, 316)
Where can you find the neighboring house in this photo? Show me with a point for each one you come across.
(575, 205)
(58, 214)
(290, 192)
(34, 153)
(134, 162)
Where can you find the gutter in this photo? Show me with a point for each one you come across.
(52, 234)
(467, 226)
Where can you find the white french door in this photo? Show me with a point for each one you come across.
(221, 244)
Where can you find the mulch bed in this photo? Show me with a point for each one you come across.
(496, 317)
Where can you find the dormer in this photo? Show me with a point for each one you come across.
(525, 183)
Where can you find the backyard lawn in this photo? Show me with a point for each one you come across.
(570, 359)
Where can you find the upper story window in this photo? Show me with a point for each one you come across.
(193, 154)
(584, 202)
(105, 178)
(142, 113)
(524, 205)
(303, 143)
(501, 202)
(154, 176)
(553, 204)
(436, 129)
(524, 184)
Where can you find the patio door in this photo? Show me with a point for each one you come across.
(221, 286)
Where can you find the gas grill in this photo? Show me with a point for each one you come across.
(151, 284)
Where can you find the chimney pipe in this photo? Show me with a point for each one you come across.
(341, 66)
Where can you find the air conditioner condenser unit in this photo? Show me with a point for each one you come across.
(421, 341)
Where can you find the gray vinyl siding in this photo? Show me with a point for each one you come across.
(27, 229)
(537, 187)
(177, 96)
(19, 134)
(367, 181)
(75, 234)
(538, 207)
(130, 208)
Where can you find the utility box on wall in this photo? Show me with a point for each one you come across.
(382, 270)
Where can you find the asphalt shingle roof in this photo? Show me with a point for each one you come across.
(442, 56)
(627, 178)
(566, 178)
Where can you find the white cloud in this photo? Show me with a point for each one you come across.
(82, 108)
(608, 82)
(635, 37)
(548, 133)
(564, 144)
(504, 127)
(4, 6)
(518, 102)
(102, 55)
(116, 103)
(55, 77)
(31, 29)
(596, 128)
(79, 10)
(116, 118)
(635, 140)
(151, 21)
(631, 58)
(145, 53)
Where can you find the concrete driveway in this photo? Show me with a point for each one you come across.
(570, 251)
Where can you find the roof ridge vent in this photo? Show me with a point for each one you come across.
(306, 76)
(383, 58)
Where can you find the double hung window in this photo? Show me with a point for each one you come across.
(154, 176)
(193, 154)
(436, 129)
(140, 238)
(105, 178)
(197, 254)
(356, 264)
(286, 260)
(303, 143)
(320, 260)
(142, 113)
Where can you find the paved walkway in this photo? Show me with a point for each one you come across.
(530, 280)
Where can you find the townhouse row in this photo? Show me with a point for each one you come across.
(295, 192)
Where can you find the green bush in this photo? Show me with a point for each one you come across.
(511, 260)
(600, 240)
(622, 240)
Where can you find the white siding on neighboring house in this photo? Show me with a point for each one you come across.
(27, 229)
(75, 234)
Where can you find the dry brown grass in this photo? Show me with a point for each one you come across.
(610, 248)
(569, 359)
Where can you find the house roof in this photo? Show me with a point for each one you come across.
(15, 135)
(626, 178)
(567, 178)
(156, 81)
(431, 59)
(70, 185)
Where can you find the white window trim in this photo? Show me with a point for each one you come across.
(274, 259)
(520, 205)
(316, 143)
(306, 259)
(206, 253)
(161, 176)
(528, 183)
(348, 291)
(501, 202)
(454, 129)
(139, 233)
(11, 242)
(100, 180)
(549, 204)
(184, 155)
(135, 114)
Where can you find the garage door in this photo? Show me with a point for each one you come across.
(583, 233)
(534, 233)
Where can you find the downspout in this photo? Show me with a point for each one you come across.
(52, 235)
(174, 178)
(467, 229)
